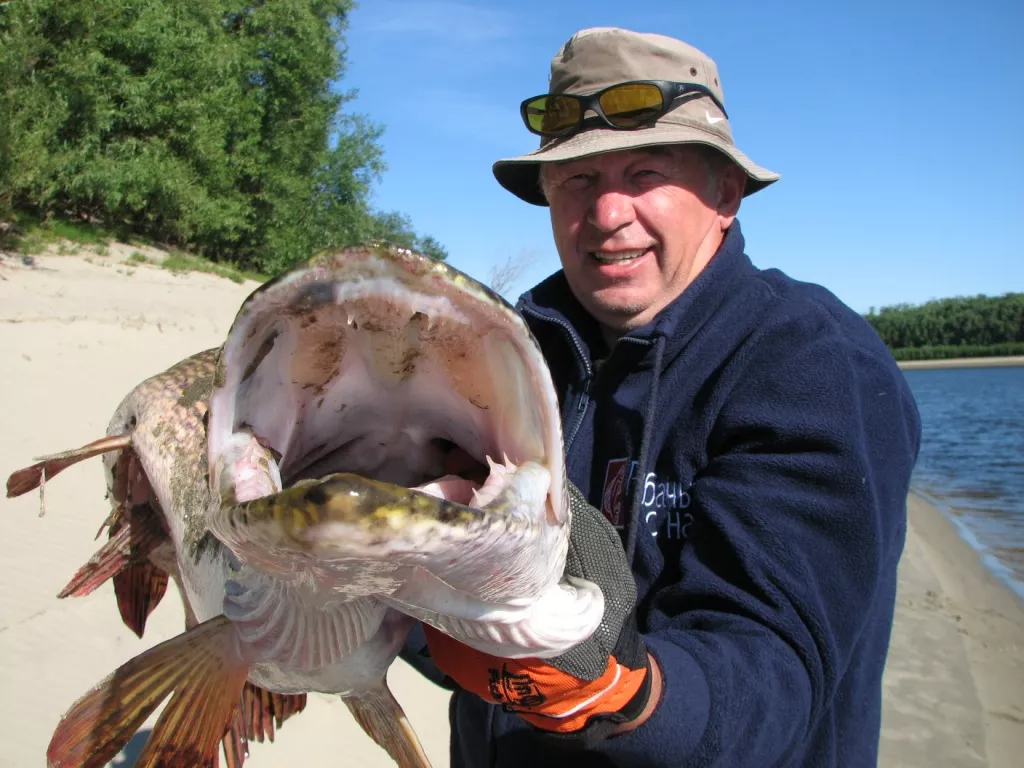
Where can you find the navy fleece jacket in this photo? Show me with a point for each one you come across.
(754, 444)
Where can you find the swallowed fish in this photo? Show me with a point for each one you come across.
(377, 442)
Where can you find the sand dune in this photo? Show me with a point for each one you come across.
(77, 333)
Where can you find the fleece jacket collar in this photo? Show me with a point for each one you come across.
(553, 302)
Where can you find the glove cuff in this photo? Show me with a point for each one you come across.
(599, 726)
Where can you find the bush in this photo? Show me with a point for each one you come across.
(952, 352)
(211, 125)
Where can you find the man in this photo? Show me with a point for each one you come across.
(748, 436)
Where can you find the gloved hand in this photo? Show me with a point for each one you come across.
(594, 687)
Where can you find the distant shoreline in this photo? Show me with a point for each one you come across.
(964, 362)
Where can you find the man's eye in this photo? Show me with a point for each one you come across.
(647, 173)
(578, 181)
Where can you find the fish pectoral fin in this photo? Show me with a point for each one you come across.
(384, 720)
(24, 480)
(201, 670)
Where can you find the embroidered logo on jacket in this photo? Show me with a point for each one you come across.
(663, 506)
(614, 497)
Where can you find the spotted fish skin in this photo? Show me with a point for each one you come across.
(166, 418)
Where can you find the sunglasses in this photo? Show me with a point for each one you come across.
(624, 106)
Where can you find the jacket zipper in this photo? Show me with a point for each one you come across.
(581, 412)
(584, 397)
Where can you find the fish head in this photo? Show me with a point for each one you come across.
(375, 410)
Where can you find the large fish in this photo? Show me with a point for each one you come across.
(377, 441)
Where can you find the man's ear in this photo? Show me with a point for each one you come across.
(731, 183)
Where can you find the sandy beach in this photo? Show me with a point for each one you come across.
(77, 333)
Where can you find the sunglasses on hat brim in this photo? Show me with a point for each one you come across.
(624, 106)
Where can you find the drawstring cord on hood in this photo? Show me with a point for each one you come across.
(638, 492)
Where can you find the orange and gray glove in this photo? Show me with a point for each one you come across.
(595, 686)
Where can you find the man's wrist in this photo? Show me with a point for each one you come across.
(653, 688)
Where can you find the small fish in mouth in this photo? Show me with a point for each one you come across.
(377, 441)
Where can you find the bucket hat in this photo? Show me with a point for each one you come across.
(593, 59)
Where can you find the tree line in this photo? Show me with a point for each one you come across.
(975, 326)
(218, 126)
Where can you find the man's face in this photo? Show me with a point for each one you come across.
(634, 228)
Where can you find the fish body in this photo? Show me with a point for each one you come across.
(377, 441)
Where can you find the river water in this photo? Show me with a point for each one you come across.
(972, 458)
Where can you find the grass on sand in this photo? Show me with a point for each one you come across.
(29, 236)
(178, 261)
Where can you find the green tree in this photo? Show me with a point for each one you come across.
(215, 125)
(944, 326)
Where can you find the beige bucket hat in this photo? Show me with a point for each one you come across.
(596, 58)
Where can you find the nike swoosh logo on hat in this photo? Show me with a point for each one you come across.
(712, 120)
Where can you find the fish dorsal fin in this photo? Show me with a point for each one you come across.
(201, 671)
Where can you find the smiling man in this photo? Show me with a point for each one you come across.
(739, 444)
(635, 228)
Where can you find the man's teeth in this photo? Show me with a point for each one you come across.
(607, 257)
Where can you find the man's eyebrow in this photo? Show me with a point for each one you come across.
(559, 171)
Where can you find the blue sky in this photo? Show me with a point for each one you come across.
(897, 127)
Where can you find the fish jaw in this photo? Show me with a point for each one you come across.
(385, 364)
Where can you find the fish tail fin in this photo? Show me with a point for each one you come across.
(24, 480)
(236, 746)
(201, 671)
(384, 720)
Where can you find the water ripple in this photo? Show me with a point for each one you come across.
(972, 455)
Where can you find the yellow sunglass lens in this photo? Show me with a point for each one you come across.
(631, 105)
(552, 113)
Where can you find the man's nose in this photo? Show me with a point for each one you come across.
(611, 210)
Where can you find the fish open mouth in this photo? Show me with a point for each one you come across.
(401, 373)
